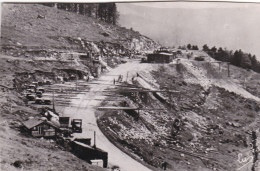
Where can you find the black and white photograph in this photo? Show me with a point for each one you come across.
(130, 86)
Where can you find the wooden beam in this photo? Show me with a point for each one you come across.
(134, 91)
(117, 85)
(125, 108)
(216, 62)
(111, 75)
(116, 108)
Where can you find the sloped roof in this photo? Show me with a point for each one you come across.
(88, 146)
(36, 121)
(32, 122)
(164, 53)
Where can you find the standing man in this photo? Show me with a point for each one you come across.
(164, 165)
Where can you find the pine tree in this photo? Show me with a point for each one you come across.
(189, 46)
(245, 61)
(214, 49)
(104, 11)
(205, 48)
(81, 9)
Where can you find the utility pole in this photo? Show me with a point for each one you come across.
(94, 139)
(71, 58)
(76, 80)
(228, 70)
(76, 83)
(53, 105)
(126, 77)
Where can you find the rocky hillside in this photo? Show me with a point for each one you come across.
(37, 29)
(48, 42)
(216, 115)
(42, 43)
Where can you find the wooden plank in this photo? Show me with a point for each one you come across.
(125, 108)
(117, 85)
(113, 95)
(66, 90)
(108, 99)
(133, 91)
(116, 108)
(69, 93)
(110, 75)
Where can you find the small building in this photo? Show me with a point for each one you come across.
(88, 153)
(160, 57)
(41, 128)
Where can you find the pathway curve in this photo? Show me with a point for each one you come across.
(86, 110)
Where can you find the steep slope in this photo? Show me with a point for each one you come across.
(34, 26)
(42, 43)
(216, 113)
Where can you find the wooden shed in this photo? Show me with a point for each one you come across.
(41, 128)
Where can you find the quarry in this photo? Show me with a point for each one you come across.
(78, 93)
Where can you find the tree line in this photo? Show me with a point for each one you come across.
(104, 11)
(237, 57)
(192, 47)
(189, 47)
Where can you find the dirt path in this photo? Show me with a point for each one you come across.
(86, 110)
(226, 83)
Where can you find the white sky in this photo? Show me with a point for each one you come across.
(196, 5)
(87, 1)
(231, 25)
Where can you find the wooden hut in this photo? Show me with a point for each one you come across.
(161, 57)
(41, 128)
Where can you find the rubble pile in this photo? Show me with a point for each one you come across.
(205, 126)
